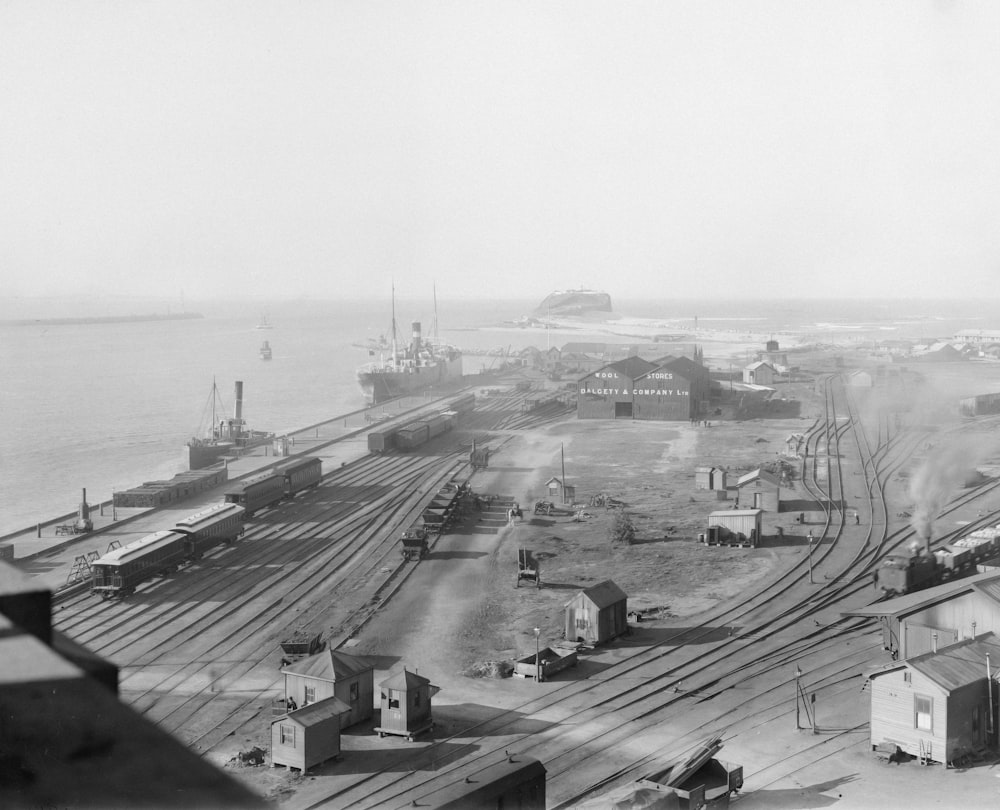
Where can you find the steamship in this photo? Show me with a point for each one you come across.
(226, 437)
(418, 366)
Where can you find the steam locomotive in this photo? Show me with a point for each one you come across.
(900, 573)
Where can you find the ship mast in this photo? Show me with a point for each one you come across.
(395, 355)
(434, 325)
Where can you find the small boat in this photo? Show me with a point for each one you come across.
(264, 324)
(265, 351)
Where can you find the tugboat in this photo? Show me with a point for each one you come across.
(225, 437)
(265, 351)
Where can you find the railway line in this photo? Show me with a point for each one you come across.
(640, 695)
(344, 534)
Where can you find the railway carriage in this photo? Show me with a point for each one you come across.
(381, 441)
(220, 523)
(257, 491)
(301, 473)
(120, 571)
(412, 435)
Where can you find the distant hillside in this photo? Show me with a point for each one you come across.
(177, 316)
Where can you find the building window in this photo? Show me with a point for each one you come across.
(310, 695)
(355, 692)
(923, 707)
(287, 735)
(393, 701)
(416, 698)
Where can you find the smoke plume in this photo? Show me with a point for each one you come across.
(945, 470)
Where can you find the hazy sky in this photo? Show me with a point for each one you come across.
(500, 149)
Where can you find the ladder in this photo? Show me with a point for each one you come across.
(924, 756)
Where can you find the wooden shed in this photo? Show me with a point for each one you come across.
(406, 705)
(703, 477)
(597, 614)
(331, 673)
(936, 706)
(759, 373)
(760, 489)
(740, 523)
(308, 736)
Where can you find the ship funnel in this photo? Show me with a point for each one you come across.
(84, 512)
(416, 337)
(238, 413)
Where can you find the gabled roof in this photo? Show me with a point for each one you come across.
(684, 366)
(958, 664)
(912, 602)
(760, 364)
(758, 475)
(330, 665)
(633, 367)
(318, 712)
(404, 681)
(604, 594)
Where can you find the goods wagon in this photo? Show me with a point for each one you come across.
(301, 473)
(901, 573)
(257, 491)
(412, 435)
(437, 424)
(220, 523)
(463, 404)
(118, 572)
(516, 781)
(381, 441)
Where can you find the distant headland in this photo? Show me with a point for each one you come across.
(175, 316)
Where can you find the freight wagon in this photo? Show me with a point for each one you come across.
(118, 572)
(257, 491)
(221, 523)
(412, 435)
(301, 473)
(463, 405)
(382, 441)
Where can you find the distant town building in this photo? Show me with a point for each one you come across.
(759, 373)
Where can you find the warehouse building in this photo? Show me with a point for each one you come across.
(635, 388)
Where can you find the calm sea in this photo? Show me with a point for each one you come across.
(108, 406)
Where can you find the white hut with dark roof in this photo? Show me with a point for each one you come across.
(331, 673)
(405, 700)
(308, 736)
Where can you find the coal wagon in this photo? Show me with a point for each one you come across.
(414, 543)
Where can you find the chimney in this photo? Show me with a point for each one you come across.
(84, 513)
(416, 337)
(238, 413)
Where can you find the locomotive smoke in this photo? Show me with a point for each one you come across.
(944, 471)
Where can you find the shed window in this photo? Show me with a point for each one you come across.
(287, 735)
(393, 699)
(416, 698)
(355, 692)
(922, 710)
(310, 694)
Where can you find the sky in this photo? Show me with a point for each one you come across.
(500, 149)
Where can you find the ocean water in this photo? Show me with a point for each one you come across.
(109, 406)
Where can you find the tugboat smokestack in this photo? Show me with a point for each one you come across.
(416, 338)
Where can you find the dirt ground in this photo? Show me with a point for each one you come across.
(459, 613)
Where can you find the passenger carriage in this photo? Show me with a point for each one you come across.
(257, 491)
(301, 473)
(220, 523)
(120, 571)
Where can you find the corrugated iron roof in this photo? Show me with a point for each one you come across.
(990, 589)
(633, 367)
(685, 366)
(959, 664)
(330, 665)
(911, 602)
(404, 681)
(758, 475)
(721, 513)
(318, 712)
(604, 594)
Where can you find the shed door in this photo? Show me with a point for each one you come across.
(623, 409)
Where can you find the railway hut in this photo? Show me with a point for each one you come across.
(120, 571)
(331, 673)
(597, 614)
(220, 523)
(405, 701)
(740, 527)
(937, 706)
(257, 491)
(937, 617)
(703, 477)
(301, 473)
(759, 489)
(308, 736)
(382, 441)
(411, 436)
